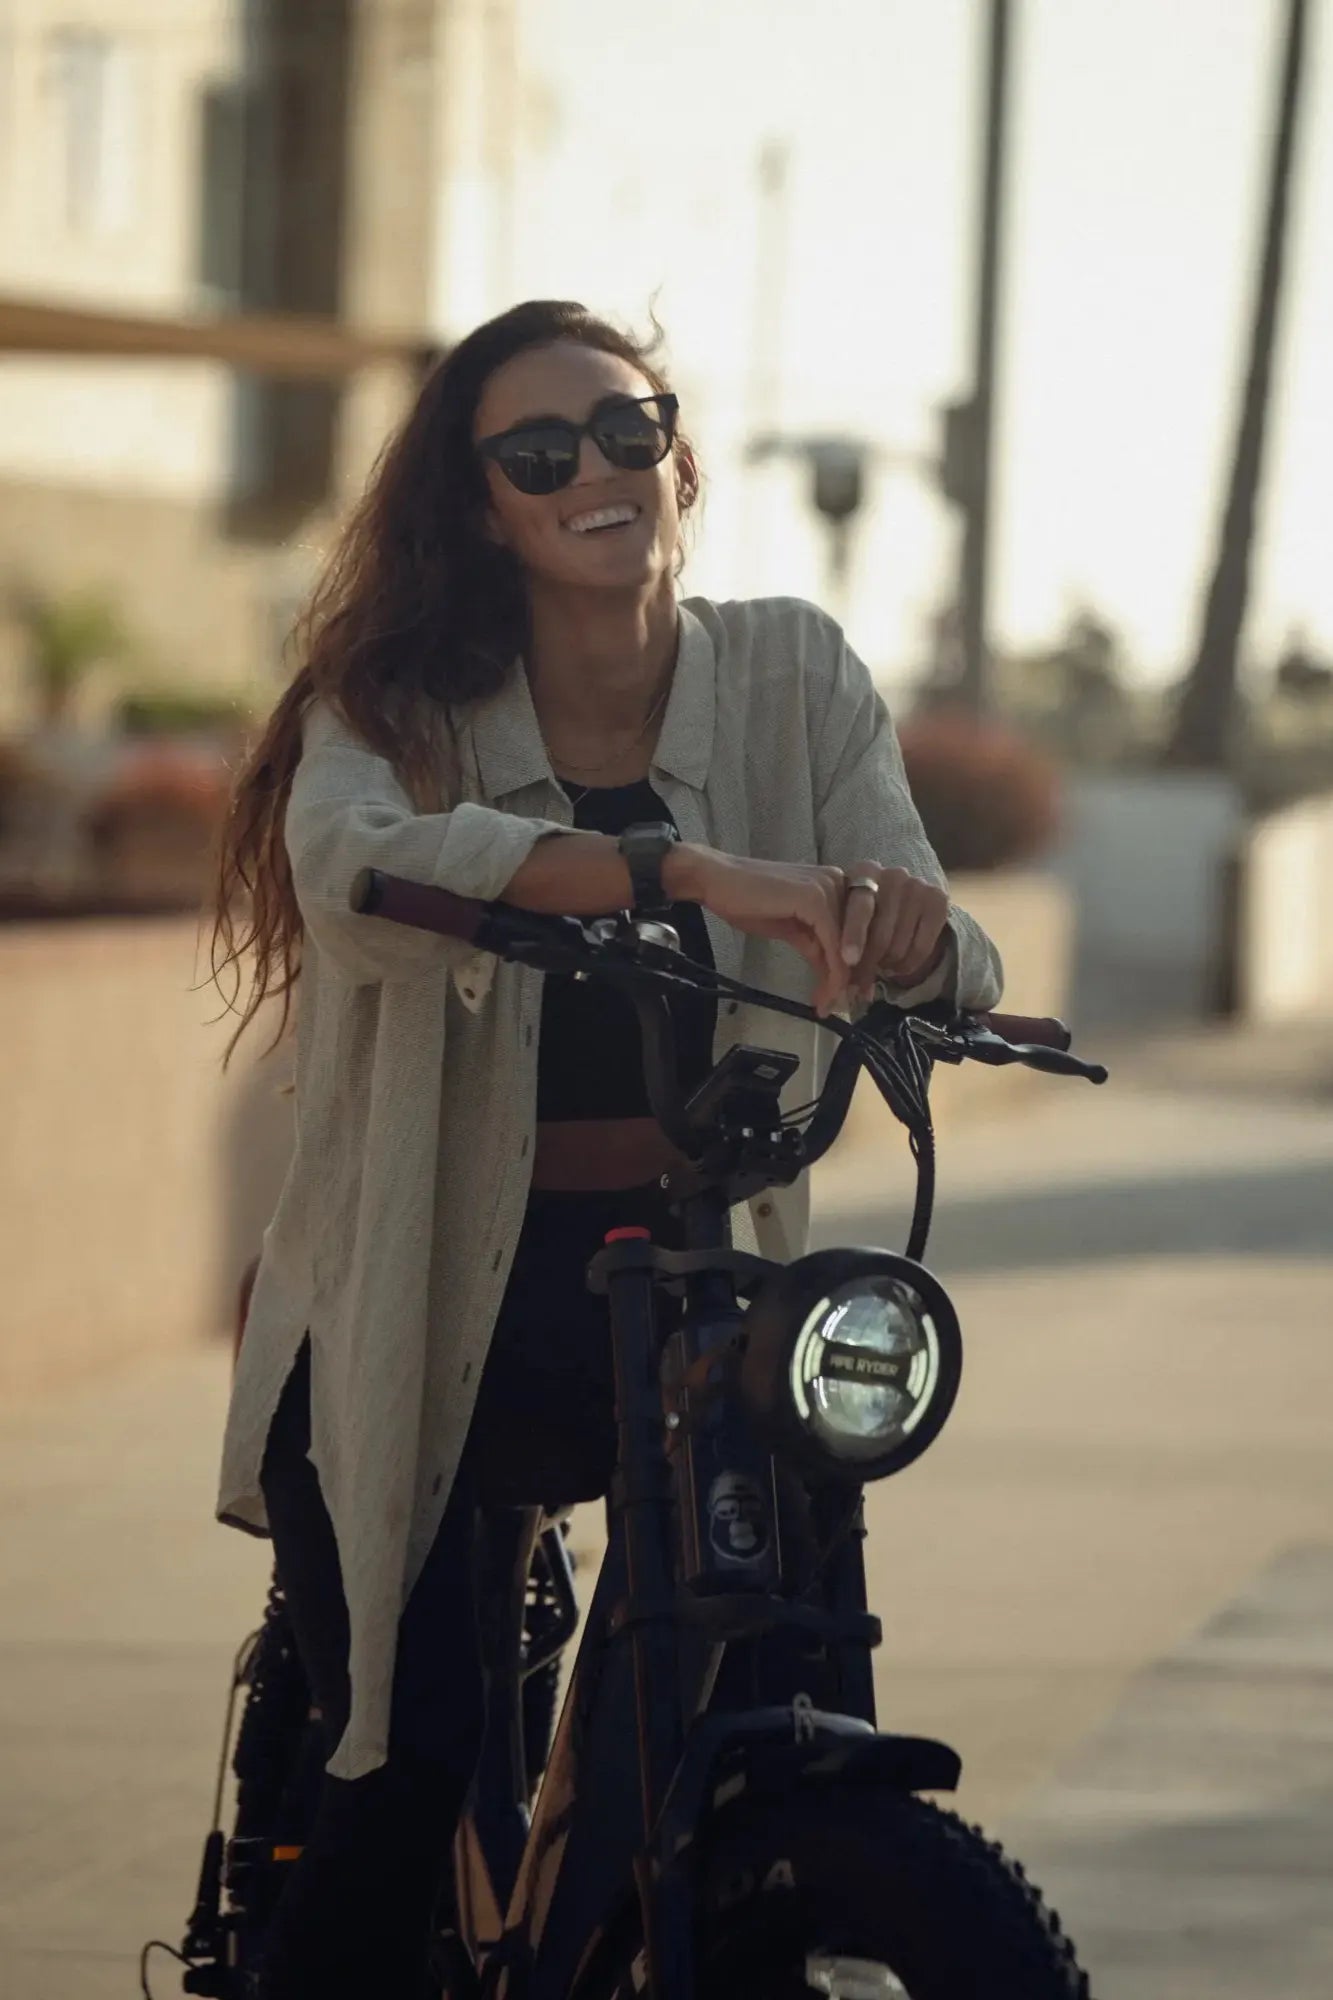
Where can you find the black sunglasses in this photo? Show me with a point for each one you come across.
(633, 434)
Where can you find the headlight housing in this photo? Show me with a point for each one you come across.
(852, 1362)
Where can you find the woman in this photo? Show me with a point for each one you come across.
(499, 681)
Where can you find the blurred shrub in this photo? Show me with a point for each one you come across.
(181, 712)
(66, 638)
(987, 797)
(152, 830)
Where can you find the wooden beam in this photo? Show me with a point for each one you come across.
(262, 344)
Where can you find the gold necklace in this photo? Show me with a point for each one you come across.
(591, 770)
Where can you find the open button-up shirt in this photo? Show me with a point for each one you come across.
(416, 1065)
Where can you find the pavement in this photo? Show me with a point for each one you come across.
(1191, 1837)
(1110, 1583)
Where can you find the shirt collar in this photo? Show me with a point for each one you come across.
(685, 746)
(508, 742)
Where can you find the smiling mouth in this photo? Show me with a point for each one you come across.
(601, 520)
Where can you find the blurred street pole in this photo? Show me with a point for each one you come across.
(1203, 738)
(972, 422)
(772, 254)
(764, 385)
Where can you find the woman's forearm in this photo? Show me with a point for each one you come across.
(584, 875)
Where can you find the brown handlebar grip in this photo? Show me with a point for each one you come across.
(1039, 1029)
(421, 904)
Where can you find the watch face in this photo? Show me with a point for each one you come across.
(653, 839)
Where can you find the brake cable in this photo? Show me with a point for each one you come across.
(901, 1070)
(902, 1074)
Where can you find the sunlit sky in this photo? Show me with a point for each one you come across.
(1140, 133)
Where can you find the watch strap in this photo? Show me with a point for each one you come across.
(644, 847)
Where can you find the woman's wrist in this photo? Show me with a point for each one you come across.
(685, 870)
(915, 975)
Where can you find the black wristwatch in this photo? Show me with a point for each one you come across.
(644, 848)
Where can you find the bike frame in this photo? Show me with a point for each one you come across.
(673, 1602)
(677, 1597)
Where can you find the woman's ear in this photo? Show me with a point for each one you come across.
(687, 478)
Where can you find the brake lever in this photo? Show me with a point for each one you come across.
(983, 1046)
(953, 1044)
(528, 937)
(1059, 1062)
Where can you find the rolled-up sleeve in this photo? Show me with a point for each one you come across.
(348, 811)
(864, 810)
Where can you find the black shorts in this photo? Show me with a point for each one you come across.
(542, 1434)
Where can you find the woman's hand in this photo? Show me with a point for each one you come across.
(894, 931)
(802, 905)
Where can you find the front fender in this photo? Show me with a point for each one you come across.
(757, 1752)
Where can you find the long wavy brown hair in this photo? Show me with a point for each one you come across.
(417, 614)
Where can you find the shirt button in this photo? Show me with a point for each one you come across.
(733, 1006)
(765, 1209)
(469, 992)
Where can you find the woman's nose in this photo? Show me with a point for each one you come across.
(593, 465)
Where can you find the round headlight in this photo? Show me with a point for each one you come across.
(852, 1362)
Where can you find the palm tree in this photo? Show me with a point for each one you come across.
(66, 638)
(1204, 731)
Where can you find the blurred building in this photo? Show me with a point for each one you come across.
(406, 169)
(228, 156)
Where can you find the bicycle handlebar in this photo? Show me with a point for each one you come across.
(422, 904)
(895, 1045)
(495, 927)
(503, 929)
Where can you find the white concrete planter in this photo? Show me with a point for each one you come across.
(1286, 937)
(137, 1177)
(1145, 855)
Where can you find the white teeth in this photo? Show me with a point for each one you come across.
(605, 517)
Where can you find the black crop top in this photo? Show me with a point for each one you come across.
(590, 1055)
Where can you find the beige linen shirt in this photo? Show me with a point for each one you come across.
(416, 1064)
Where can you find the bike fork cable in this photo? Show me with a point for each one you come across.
(642, 1500)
